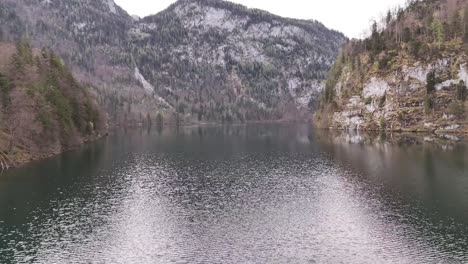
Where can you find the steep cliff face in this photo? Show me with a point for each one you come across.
(205, 60)
(411, 76)
(43, 109)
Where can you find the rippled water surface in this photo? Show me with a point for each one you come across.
(240, 194)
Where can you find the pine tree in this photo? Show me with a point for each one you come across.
(431, 82)
(5, 88)
(389, 17)
(456, 25)
(465, 25)
(438, 30)
(461, 91)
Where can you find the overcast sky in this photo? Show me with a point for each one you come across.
(351, 17)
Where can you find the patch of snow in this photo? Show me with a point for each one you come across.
(112, 7)
(276, 31)
(463, 74)
(80, 26)
(218, 18)
(293, 84)
(169, 89)
(193, 15)
(259, 104)
(149, 26)
(146, 85)
(371, 107)
(163, 102)
(259, 30)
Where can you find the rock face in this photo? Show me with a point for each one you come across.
(400, 87)
(397, 100)
(206, 60)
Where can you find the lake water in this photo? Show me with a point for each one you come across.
(240, 194)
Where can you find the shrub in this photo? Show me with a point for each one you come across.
(415, 47)
(382, 101)
(45, 119)
(431, 82)
(159, 120)
(383, 123)
(461, 91)
(368, 100)
(457, 109)
(333, 78)
(5, 88)
(61, 105)
(428, 104)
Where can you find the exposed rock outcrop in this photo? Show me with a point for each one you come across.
(412, 84)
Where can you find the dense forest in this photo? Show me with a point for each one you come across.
(44, 109)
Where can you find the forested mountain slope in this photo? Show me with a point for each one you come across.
(202, 60)
(220, 61)
(43, 109)
(409, 75)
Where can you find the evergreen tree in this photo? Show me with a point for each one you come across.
(438, 30)
(456, 25)
(461, 91)
(389, 17)
(431, 82)
(5, 88)
(465, 25)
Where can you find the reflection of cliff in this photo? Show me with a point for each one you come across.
(441, 141)
(404, 163)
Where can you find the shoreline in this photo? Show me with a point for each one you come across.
(451, 135)
(404, 130)
(34, 157)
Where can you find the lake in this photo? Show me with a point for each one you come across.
(282, 193)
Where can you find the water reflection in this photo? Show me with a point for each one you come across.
(241, 194)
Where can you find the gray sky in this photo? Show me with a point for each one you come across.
(351, 17)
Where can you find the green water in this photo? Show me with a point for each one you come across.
(240, 194)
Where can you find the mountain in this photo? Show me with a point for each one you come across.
(199, 60)
(90, 36)
(409, 75)
(44, 110)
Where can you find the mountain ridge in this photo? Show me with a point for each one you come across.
(151, 65)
